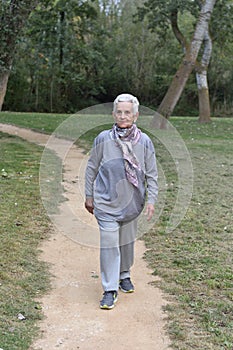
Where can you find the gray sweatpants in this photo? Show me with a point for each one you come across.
(116, 251)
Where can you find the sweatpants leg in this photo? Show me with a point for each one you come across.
(109, 259)
(116, 251)
(127, 259)
(128, 233)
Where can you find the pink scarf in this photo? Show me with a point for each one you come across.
(125, 139)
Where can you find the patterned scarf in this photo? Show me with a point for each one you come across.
(125, 139)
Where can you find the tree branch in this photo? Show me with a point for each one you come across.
(176, 30)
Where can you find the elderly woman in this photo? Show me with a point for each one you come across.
(121, 175)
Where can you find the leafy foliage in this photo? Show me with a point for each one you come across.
(74, 54)
(13, 15)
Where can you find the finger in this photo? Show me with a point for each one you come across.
(146, 211)
(150, 214)
(89, 208)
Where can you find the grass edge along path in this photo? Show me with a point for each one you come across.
(24, 224)
(195, 260)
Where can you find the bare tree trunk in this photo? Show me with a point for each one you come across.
(178, 83)
(202, 82)
(51, 95)
(201, 69)
(175, 89)
(203, 98)
(4, 76)
(37, 94)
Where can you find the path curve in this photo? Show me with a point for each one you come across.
(73, 319)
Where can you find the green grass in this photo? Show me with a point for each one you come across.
(23, 278)
(194, 261)
(41, 122)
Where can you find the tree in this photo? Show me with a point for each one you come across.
(71, 57)
(178, 83)
(130, 53)
(220, 70)
(13, 14)
(201, 67)
(55, 58)
(73, 54)
(191, 50)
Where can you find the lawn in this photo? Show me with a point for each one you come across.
(41, 122)
(24, 224)
(194, 261)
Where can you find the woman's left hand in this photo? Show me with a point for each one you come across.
(149, 211)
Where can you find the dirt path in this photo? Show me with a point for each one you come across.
(73, 319)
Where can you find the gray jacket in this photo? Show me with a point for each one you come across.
(105, 179)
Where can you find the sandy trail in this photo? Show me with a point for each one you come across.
(73, 319)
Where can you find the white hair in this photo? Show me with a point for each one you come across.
(126, 98)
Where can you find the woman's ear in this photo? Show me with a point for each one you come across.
(136, 117)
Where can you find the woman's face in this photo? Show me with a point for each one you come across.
(123, 115)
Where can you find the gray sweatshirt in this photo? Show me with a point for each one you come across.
(105, 179)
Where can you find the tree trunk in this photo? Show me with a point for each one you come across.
(4, 76)
(203, 98)
(201, 69)
(202, 82)
(178, 83)
(175, 89)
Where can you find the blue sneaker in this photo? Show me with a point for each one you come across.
(109, 300)
(126, 285)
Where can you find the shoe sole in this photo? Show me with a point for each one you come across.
(126, 291)
(107, 307)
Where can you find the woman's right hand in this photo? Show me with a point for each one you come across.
(89, 204)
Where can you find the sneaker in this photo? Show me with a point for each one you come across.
(109, 300)
(126, 285)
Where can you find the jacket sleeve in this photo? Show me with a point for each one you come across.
(151, 173)
(93, 167)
